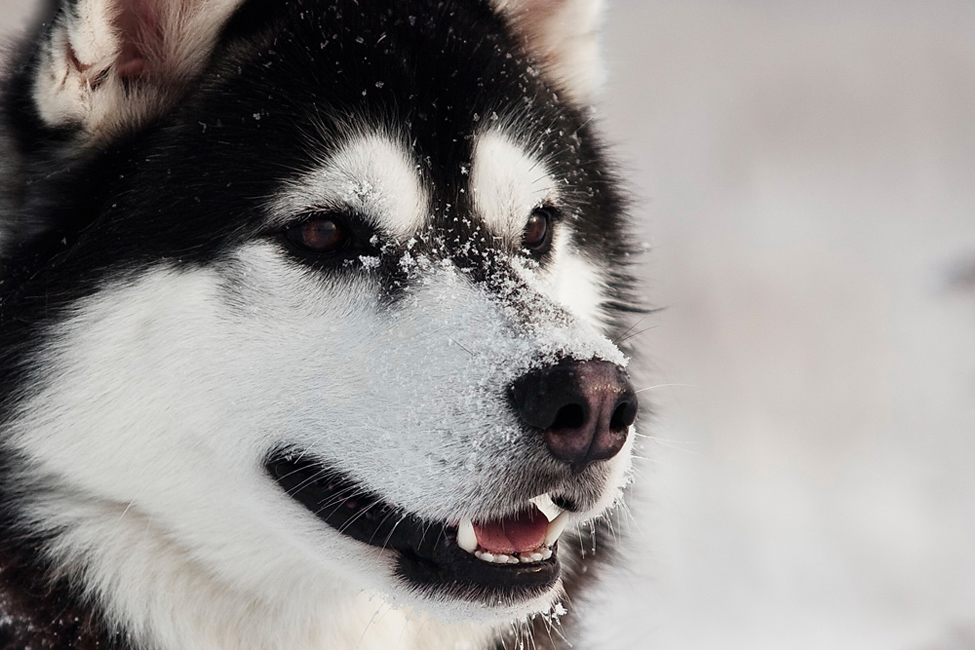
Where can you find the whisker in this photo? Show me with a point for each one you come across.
(643, 390)
(338, 501)
(675, 445)
(357, 515)
(629, 329)
(314, 478)
(652, 461)
(393, 530)
(624, 339)
(391, 513)
(461, 346)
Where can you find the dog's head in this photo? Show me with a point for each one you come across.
(317, 294)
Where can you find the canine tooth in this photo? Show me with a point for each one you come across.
(544, 503)
(555, 528)
(546, 554)
(466, 539)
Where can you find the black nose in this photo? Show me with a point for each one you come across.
(583, 408)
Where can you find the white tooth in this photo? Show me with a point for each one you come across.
(536, 557)
(512, 560)
(526, 559)
(555, 528)
(501, 559)
(466, 539)
(546, 554)
(487, 557)
(544, 503)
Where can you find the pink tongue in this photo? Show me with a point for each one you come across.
(520, 534)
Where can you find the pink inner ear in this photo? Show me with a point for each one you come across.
(140, 29)
(131, 66)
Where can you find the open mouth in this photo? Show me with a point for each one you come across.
(507, 560)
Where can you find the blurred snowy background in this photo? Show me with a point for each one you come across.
(805, 174)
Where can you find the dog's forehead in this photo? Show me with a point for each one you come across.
(379, 177)
(405, 126)
(414, 120)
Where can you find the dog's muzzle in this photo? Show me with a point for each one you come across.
(582, 410)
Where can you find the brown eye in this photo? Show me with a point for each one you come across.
(318, 235)
(538, 231)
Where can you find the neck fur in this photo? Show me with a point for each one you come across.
(149, 587)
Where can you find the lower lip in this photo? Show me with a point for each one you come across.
(429, 557)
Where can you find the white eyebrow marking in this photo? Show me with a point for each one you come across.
(507, 183)
(371, 175)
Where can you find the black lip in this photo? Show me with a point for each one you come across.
(429, 558)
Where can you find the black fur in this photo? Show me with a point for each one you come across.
(285, 81)
(37, 611)
(37, 614)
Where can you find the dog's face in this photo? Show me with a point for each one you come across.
(333, 309)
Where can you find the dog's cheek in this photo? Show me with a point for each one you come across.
(123, 365)
(302, 336)
(178, 382)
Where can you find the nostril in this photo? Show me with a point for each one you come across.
(584, 409)
(570, 416)
(623, 416)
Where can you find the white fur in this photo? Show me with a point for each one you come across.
(81, 81)
(564, 35)
(158, 399)
(507, 183)
(578, 285)
(370, 173)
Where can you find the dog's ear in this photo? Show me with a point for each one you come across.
(564, 35)
(108, 65)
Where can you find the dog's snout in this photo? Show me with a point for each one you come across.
(583, 408)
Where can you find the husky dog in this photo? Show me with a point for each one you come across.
(307, 323)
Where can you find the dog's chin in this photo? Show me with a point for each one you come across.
(443, 562)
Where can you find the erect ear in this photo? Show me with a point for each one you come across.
(564, 35)
(108, 65)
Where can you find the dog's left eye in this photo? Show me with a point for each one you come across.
(318, 235)
(537, 236)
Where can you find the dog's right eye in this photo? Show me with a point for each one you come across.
(319, 235)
